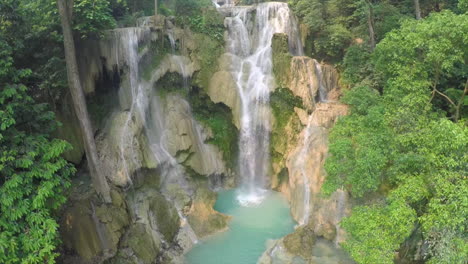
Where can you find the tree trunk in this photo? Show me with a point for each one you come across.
(79, 104)
(370, 22)
(417, 9)
(155, 8)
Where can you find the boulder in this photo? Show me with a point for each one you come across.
(223, 89)
(202, 217)
(300, 242)
(91, 229)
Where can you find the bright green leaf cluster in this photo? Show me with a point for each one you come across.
(33, 175)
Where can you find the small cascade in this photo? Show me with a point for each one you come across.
(300, 163)
(322, 91)
(249, 39)
(179, 60)
(340, 213)
(129, 41)
(147, 109)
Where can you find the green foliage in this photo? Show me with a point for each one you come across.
(157, 51)
(463, 6)
(208, 52)
(33, 175)
(356, 64)
(361, 145)
(403, 140)
(333, 42)
(281, 59)
(91, 17)
(219, 118)
(377, 231)
(282, 102)
(205, 20)
(431, 55)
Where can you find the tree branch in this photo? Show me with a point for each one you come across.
(460, 102)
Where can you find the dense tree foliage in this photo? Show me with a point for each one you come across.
(406, 141)
(33, 175)
(333, 25)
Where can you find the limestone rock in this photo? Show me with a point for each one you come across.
(223, 89)
(91, 229)
(185, 135)
(304, 81)
(151, 209)
(276, 253)
(202, 217)
(138, 246)
(300, 242)
(302, 114)
(119, 147)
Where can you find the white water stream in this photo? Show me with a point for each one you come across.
(146, 108)
(249, 40)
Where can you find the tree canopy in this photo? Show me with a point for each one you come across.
(408, 143)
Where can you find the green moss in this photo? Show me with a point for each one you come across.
(157, 50)
(219, 118)
(282, 103)
(142, 244)
(166, 217)
(300, 242)
(207, 53)
(281, 59)
(171, 82)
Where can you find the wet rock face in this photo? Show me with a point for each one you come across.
(91, 229)
(202, 217)
(300, 242)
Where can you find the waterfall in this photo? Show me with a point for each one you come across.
(340, 213)
(129, 43)
(322, 91)
(147, 109)
(300, 163)
(249, 40)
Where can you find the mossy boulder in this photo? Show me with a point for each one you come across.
(91, 229)
(142, 243)
(202, 217)
(207, 53)
(300, 242)
(167, 217)
(281, 59)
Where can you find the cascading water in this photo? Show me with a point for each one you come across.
(340, 213)
(129, 43)
(322, 91)
(147, 109)
(300, 163)
(249, 40)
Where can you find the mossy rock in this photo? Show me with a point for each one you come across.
(207, 53)
(71, 132)
(204, 219)
(142, 243)
(167, 217)
(281, 59)
(300, 242)
(147, 177)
